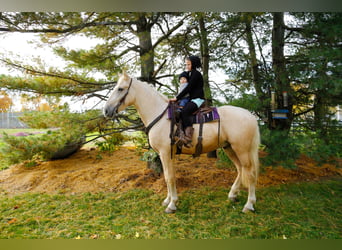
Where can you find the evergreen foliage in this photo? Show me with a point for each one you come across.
(259, 52)
(64, 129)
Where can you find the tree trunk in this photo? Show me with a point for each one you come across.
(282, 83)
(253, 60)
(321, 109)
(146, 50)
(254, 68)
(204, 46)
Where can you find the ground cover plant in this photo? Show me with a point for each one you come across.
(291, 211)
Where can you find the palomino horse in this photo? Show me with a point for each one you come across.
(238, 135)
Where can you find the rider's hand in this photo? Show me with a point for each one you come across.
(173, 99)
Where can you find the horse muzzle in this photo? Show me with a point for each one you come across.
(110, 112)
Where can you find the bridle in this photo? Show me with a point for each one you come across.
(125, 95)
(122, 100)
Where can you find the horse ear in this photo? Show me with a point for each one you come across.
(124, 74)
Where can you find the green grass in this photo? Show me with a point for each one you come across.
(293, 211)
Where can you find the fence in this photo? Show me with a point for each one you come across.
(11, 120)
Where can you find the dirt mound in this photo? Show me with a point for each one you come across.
(90, 171)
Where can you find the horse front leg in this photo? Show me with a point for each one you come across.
(170, 179)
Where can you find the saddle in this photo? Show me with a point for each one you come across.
(203, 115)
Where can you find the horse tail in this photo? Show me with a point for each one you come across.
(251, 172)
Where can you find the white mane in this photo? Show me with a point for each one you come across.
(148, 86)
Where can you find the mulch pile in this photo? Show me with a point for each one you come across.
(91, 171)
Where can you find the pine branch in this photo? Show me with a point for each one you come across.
(38, 72)
(304, 112)
(71, 29)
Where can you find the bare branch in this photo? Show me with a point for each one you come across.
(165, 36)
(159, 68)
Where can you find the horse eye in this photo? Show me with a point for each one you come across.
(120, 89)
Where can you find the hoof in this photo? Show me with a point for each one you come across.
(233, 199)
(169, 211)
(248, 210)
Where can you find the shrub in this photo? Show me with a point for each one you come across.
(111, 142)
(153, 161)
(322, 149)
(282, 149)
(223, 160)
(140, 141)
(34, 147)
(72, 128)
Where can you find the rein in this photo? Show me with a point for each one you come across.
(148, 127)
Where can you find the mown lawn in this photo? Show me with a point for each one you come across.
(293, 211)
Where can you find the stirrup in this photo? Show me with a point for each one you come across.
(188, 144)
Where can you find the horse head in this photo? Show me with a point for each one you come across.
(120, 98)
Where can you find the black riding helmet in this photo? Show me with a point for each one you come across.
(184, 74)
(195, 62)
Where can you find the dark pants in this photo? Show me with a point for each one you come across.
(186, 114)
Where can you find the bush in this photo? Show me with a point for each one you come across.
(140, 141)
(322, 149)
(223, 160)
(70, 135)
(111, 142)
(153, 161)
(34, 147)
(282, 149)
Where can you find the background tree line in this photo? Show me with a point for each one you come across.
(260, 53)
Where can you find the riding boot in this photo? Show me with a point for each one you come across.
(177, 114)
(179, 137)
(189, 131)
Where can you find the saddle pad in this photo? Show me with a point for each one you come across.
(207, 116)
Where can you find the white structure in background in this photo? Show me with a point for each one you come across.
(11, 120)
(338, 113)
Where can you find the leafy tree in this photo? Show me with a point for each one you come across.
(5, 102)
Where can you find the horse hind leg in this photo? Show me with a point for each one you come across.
(249, 177)
(234, 190)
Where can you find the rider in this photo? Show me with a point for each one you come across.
(183, 82)
(196, 94)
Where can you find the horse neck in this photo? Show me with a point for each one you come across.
(148, 102)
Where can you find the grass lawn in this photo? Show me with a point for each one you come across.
(291, 211)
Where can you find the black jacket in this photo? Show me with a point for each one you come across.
(195, 86)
